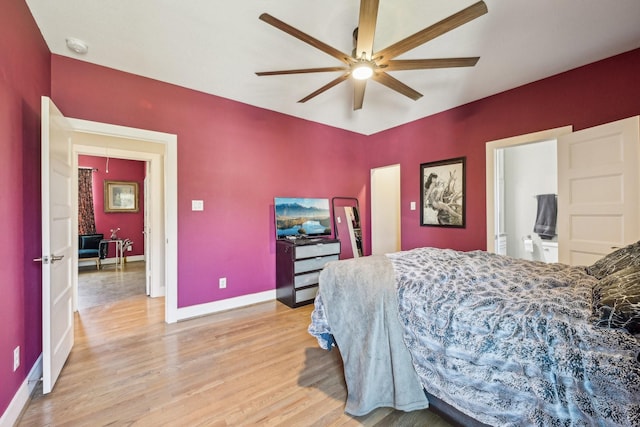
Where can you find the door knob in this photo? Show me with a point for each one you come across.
(45, 259)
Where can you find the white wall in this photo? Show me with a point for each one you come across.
(529, 170)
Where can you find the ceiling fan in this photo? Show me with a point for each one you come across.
(364, 63)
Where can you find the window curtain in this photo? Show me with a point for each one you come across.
(86, 215)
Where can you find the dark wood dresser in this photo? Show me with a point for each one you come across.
(298, 266)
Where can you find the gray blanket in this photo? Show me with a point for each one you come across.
(509, 342)
(512, 342)
(357, 299)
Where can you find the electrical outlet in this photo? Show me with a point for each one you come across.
(129, 248)
(16, 358)
(222, 282)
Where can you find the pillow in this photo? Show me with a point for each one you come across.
(616, 300)
(616, 261)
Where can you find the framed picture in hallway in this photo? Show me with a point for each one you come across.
(442, 193)
(120, 196)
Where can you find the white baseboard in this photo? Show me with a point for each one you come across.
(21, 398)
(185, 313)
(92, 263)
(132, 258)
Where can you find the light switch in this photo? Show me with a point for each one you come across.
(197, 205)
(413, 206)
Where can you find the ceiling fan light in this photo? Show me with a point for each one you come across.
(362, 71)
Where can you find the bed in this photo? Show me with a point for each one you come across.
(502, 341)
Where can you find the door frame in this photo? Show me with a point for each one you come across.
(490, 153)
(160, 149)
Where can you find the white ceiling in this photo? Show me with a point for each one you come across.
(216, 46)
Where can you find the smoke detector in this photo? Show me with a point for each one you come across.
(78, 46)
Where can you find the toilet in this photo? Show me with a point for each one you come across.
(550, 251)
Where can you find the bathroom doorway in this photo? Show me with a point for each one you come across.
(524, 172)
(519, 169)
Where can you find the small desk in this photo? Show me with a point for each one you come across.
(119, 250)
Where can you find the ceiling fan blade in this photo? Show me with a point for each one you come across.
(423, 64)
(397, 85)
(358, 93)
(301, 71)
(341, 56)
(454, 21)
(326, 87)
(366, 28)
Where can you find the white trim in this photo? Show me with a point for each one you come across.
(92, 262)
(132, 258)
(170, 169)
(106, 129)
(491, 148)
(192, 311)
(171, 231)
(21, 398)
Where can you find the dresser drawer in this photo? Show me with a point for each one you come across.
(298, 266)
(306, 294)
(320, 249)
(312, 263)
(307, 279)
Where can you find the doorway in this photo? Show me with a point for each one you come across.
(159, 150)
(498, 240)
(111, 279)
(523, 172)
(385, 210)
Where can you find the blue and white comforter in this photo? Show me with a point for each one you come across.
(512, 342)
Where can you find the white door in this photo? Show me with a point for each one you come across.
(57, 257)
(385, 210)
(598, 191)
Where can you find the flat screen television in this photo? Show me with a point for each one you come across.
(300, 217)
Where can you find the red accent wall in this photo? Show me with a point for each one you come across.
(131, 224)
(598, 93)
(25, 70)
(235, 157)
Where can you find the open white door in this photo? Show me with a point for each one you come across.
(57, 257)
(598, 196)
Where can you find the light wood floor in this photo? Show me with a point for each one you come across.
(250, 366)
(110, 284)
